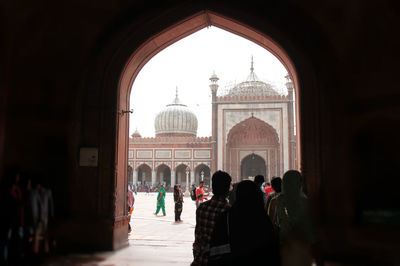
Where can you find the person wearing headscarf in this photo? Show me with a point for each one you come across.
(252, 237)
(178, 199)
(290, 214)
(161, 200)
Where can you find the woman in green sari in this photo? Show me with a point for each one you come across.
(161, 200)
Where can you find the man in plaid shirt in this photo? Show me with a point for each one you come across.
(206, 215)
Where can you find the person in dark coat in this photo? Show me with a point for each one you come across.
(252, 238)
(178, 199)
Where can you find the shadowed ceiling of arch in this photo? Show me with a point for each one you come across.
(252, 131)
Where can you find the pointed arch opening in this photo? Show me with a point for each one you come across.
(141, 55)
(251, 166)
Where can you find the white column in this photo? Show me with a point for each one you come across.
(192, 178)
(187, 194)
(173, 178)
(135, 173)
(153, 178)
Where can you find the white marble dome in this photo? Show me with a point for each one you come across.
(176, 119)
(253, 86)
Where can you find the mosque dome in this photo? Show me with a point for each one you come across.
(176, 119)
(253, 86)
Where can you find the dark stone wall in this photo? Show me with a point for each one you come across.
(61, 60)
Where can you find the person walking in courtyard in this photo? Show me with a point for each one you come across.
(207, 214)
(161, 200)
(178, 198)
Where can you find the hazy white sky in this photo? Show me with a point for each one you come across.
(188, 65)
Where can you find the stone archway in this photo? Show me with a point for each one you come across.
(129, 60)
(130, 175)
(164, 175)
(251, 166)
(252, 137)
(144, 174)
(202, 171)
(180, 175)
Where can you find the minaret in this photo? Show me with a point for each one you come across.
(292, 141)
(252, 76)
(214, 127)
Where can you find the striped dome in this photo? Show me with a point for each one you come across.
(176, 120)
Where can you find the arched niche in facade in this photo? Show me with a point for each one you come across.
(130, 175)
(164, 175)
(252, 136)
(180, 174)
(252, 165)
(252, 131)
(144, 174)
(205, 171)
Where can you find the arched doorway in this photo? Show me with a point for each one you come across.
(203, 172)
(144, 174)
(253, 138)
(135, 55)
(164, 175)
(181, 171)
(130, 175)
(251, 166)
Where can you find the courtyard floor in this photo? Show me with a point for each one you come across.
(154, 240)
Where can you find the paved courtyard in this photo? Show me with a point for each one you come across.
(153, 241)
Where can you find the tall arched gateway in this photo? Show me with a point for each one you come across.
(247, 139)
(134, 55)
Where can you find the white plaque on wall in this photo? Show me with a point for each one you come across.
(144, 154)
(130, 154)
(182, 154)
(202, 154)
(163, 154)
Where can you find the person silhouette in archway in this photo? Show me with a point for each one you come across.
(290, 214)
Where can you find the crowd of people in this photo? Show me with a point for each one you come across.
(27, 218)
(250, 222)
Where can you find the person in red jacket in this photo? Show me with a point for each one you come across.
(268, 189)
(200, 194)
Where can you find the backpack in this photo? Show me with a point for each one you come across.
(193, 193)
